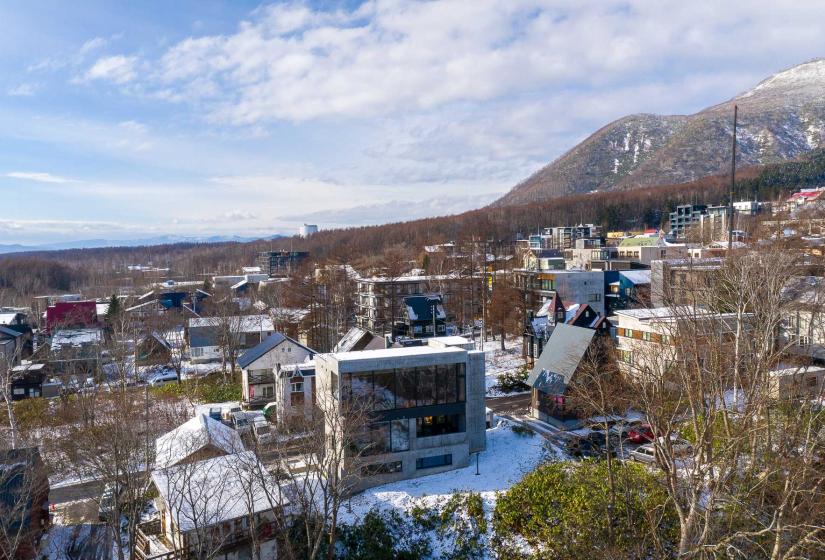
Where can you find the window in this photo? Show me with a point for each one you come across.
(381, 468)
(426, 426)
(197, 352)
(296, 387)
(405, 383)
(34, 392)
(811, 381)
(400, 435)
(19, 391)
(417, 329)
(427, 386)
(646, 336)
(442, 328)
(594, 297)
(268, 391)
(626, 356)
(384, 390)
(296, 399)
(433, 462)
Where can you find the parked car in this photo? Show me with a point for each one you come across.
(215, 413)
(240, 422)
(163, 379)
(644, 453)
(262, 430)
(642, 433)
(228, 411)
(591, 445)
(108, 501)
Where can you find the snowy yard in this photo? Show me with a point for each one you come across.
(506, 460)
(498, 361)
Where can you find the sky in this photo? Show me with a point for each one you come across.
(134, 119)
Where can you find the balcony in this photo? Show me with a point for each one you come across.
(153, 545)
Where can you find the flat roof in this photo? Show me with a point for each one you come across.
(394, 353)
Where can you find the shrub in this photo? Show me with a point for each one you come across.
(523, 431)
(382, 535)
(514, 381)
(562, 510)
(209, 389)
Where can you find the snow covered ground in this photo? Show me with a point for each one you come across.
(508, 457)
(498, 361)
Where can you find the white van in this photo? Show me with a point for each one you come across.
(163, 379)
(262, 430)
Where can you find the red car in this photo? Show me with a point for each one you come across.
(640, 434)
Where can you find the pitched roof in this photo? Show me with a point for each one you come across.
(560, 358)
(636, 277)
(213, 491)
(192, 436)
(265, 346)
(420, 307)
(355, 339)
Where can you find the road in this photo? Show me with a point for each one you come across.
(75, 492)
(513, 405)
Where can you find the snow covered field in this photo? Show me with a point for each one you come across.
(508, 457)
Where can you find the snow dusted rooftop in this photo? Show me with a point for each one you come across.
(192, 436)
(213, 491)
(246, 323)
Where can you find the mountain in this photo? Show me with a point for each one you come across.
(780, 119)
(149, 241)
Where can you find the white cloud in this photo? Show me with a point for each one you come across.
(118, 69)
(39, 177)
(92, 45)
(23, 90)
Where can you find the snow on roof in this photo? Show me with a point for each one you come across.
(192, 436)
(352, 338)
(65, 337)
(795, 371)
(243, 323)
(405, 352)
(213, 491)
(560, 358)
(636, 276)
(8, 318)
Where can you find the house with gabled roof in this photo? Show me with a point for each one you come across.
(195, 440)
(554, 371)
(358, 339)
(260, 364)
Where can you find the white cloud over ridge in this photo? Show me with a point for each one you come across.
(39, 177)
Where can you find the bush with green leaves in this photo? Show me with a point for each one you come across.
(513, 381)
(382, 535)
(459, 524)
(566, 510)
(212, 389)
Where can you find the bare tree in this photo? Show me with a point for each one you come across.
(25, 494)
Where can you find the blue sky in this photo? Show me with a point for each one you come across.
(124, 120)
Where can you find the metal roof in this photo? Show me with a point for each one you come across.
(560, 358)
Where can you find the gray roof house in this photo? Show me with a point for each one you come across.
(260, 363)
(553, 372)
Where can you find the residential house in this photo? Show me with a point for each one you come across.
(24, 502)
(153, 349)
(76, 351)
(359, 339)
(216, 505)
(426, 408)
(171, 295)
(260, 364)
(72, 314)
(682, 281)
(11, 348)
(554, 312)
(209, 335)
(631, 290)
(802, 331)
(17, 320)
(28, 381)
(644, 249)
(553, 372)
(296, 391)
(195, 440)
(424, 317)
(794, 383)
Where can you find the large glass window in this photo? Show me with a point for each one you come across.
(381, 468)
(405, 383)
(427, 386)
(426, 426)
(384, 391)
(400, 435)
(435, 461)
(362, 390)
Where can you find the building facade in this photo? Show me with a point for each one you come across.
(425, 406)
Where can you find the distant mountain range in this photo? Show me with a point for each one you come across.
(780, 119)
(97, 243)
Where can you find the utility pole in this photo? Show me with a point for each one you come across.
(732, 184)
(435, 309)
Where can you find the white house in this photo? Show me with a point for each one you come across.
(205, 334)
(260, 363)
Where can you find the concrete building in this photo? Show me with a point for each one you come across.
(562, 237)
(645, 249)
(682, 281)
(572, 285)
(380, 301)
(685, 216)
(280, 263)
(427, 405)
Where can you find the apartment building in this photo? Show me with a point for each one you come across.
(380, 300)
(280, 263)
(682, 281)
(572, 285)
(426, 405)
(562, 237)
(685, 216)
